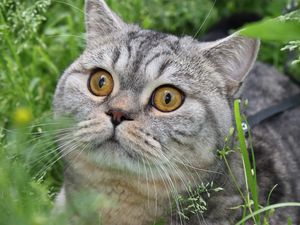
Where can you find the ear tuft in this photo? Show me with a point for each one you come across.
(100, 20)
(234, 57)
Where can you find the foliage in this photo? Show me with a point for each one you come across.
(249, 169)
(195, 202)
(263, 7)
(285, 30)
(183, 17)
(38, 40)
(267, 208)
(273, 30)
(22, 19)
(293, 45)
(252, 209)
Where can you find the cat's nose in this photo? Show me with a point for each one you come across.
(118, 116)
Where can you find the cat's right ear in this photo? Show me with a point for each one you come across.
(100, 20)
(233, 57)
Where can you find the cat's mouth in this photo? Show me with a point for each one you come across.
(130, 139)
(114, 143)
(113, 139)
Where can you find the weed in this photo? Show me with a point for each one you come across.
(195, 201)
(38, 40)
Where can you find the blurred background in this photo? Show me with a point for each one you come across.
(39, 39)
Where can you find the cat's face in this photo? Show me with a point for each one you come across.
(147, 99)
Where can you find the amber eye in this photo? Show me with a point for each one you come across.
(167, 98)
(101, 83)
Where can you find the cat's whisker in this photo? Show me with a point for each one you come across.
(50, 136)
(195, 183)
(148, 190)
(136, 140)
(85, 132)
(181, 175)
(34, 146)
(70, 5)
(49, 165)
(187, 190)
(155, 190)
(53, 122)
(53, 138)
(165, 185)
(188, 169)
(50, 133)
(186, 164)
(80, 152)
(64, 153)
(35, 149)
(42, 132)
(206, 18)
(173, 168)
(139, 173)
(55, 150)
(65, 35)
(180, 161)
(173, 188)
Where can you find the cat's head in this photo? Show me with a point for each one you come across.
(141, 97)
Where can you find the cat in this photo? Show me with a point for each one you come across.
(152, 110)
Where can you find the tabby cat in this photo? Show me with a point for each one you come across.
(151, 111)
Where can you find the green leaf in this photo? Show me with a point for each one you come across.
(273, 30)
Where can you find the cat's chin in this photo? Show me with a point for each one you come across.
(112, 153)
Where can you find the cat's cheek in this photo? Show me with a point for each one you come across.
(188, 108)
(95, 131)
(156, 113)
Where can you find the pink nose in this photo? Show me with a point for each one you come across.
(118, 116)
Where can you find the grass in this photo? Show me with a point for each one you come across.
(38, 40)
(252, 209)
(268, 208)
(249, 170)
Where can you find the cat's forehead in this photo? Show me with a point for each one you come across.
(138, 57)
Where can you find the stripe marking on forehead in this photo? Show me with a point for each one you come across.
(96, 59)
(122, 61)
(153, 66)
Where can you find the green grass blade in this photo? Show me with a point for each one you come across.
(250, 179)
(267, 208)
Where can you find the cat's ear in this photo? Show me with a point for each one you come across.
(234, 57)
(100, 20)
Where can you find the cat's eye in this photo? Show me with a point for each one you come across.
(167, 98)
(101, 83)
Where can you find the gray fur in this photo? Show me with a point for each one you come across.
(100, 20)
(180, 144)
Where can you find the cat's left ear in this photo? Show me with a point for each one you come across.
(100, 20)
(233, 56)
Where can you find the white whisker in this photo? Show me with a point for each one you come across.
(206, 18)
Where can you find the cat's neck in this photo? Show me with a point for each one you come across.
(134, 200)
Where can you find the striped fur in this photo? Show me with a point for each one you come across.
(140, 164)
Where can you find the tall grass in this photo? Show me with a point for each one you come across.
(38, 40)
(252, 191)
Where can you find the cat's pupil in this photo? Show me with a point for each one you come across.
(168, 98)
(102, 81)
